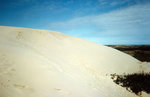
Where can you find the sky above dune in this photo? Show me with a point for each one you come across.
(101, 21)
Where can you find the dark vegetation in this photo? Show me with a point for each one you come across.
(135, 83)
(141, 52)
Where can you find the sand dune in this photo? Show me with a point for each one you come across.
(40, 63)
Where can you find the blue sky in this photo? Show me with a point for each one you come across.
(101, 21)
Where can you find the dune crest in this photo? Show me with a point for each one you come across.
(40, 63)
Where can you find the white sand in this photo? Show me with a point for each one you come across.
(39, 63)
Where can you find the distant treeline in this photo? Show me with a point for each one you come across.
(141, 52)
(130, 47)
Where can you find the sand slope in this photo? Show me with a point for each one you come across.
(39, 63)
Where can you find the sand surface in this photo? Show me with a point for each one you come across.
(40, 63)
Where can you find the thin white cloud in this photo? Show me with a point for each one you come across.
(130, 22)
(124, 20)
(103, 2)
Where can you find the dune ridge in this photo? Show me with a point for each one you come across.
(41, 63)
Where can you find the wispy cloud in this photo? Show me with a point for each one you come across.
(96, 20)
(130, 23)
(103, 2)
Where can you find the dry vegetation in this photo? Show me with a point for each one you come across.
(141, 52)
(136, 82)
